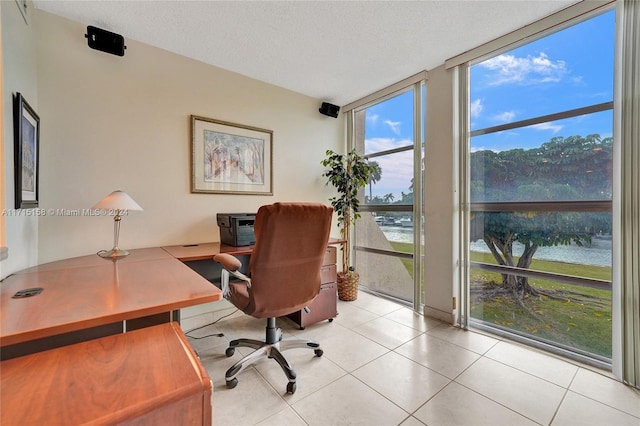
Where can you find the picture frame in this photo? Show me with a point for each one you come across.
(230, 158)
(26, 148)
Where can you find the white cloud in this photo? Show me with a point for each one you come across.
(529, 70)
(505, 117)
(555, 128)
(372, 118)
(397, 171)
(394, 125)
(385, 144)
(475, 108)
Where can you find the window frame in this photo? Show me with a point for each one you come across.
(463, 125)
(416, 84)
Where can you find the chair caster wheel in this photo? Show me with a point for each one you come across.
(230, 352)
(291, 387)
(318, 352)
(233, 383)
(330, 319)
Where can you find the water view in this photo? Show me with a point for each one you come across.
(598, 253)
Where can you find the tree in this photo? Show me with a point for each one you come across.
(374, 176)
(500, 230)
(568, 169)
(406, 198)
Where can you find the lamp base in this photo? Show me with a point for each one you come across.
(114, 253)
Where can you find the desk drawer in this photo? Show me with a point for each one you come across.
(328, 274)
(324, 307)
(329, 256)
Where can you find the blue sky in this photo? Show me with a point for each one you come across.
(389, 125)
(569, 69)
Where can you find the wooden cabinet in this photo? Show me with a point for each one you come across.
(149, 376)
(325, 306)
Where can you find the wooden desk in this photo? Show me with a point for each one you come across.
(93, 296)
(204, 251)
(137, 255)
(94, 373)
(149, 376)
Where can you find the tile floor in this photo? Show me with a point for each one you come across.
(384, 365)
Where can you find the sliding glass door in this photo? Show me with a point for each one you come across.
(388, 236)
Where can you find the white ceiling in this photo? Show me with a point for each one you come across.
(337, 51)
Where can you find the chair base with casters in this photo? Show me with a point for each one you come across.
(272, 347)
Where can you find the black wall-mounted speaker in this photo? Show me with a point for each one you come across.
(329, 109)
(105, 41)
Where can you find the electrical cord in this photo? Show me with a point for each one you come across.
(207, 325)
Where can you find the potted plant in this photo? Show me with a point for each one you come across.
(349, 174)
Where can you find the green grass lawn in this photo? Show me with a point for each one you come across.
(404, 248)
(576, 316)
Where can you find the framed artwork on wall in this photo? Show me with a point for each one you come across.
(26, 148)
(230, 158)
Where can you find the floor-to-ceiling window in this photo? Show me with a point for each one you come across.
(388, 244)
(540, 166)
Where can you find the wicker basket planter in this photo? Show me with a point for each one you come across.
(348, 286)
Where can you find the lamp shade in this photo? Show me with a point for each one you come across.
(117, 200)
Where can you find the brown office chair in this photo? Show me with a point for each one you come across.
(283, 277)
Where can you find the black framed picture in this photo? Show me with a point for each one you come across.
(26, 128)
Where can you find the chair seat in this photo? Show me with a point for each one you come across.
(239, 294)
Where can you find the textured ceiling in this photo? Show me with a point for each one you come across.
(337, 51)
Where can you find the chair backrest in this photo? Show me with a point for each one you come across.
(291, 239)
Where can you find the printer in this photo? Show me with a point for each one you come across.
(236, 229)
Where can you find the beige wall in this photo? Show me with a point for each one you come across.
(19, 75)
(112, 122)
(441, 258)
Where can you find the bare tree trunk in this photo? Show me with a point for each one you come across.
(525, 262)
(497, 250)
(346, 249)
(503, 253)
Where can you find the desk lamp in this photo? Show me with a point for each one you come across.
(117, 202)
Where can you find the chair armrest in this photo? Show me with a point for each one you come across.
(230, 265)
(228, 262)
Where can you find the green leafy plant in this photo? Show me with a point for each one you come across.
(348, 173)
